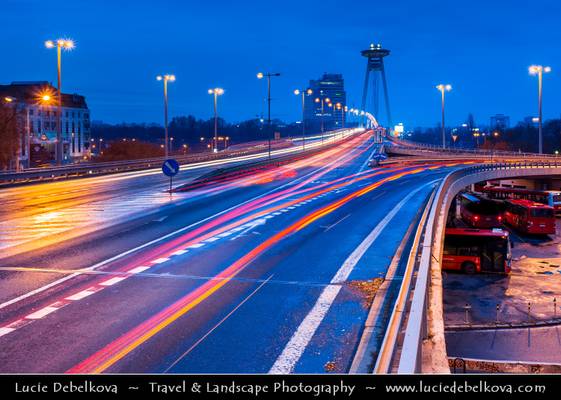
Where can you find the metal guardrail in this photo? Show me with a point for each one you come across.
(88, 169)
(417, 327)
(404, 145)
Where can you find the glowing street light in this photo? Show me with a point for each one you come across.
(59, 44)
(539, 71)
(268, 75)
(165, 79)
(323, 101)
(443, 88)
(303, 93)
(216, 92)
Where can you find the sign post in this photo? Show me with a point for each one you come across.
(170, 168)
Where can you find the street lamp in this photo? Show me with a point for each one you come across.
(443, 88)
(165, 79)
(303, 93)
(216, 92)
(60, 44)
(539, 71)
(322, 100)
(260, 75)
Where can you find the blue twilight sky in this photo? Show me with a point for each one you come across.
(482, 48)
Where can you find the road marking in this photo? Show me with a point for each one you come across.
(179, 252)
(196, 246)
(42, 312)
(160, 260)
(212, 239)
(112, 281)
(5, 331)
(299, 341)
(138, 270)
(80, 295)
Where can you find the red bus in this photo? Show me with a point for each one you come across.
(480, 212)
(476, 250)
(530, 217)
(549, 197)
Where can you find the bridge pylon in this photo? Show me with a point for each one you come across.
(375, 69)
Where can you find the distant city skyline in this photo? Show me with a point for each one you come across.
(482, 49)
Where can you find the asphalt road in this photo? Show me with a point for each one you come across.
(268, 272)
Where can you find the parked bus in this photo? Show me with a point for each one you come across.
(530, 217)
(551, 198)
(476, 250)
(480, 212)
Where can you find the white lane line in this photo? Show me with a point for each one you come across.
(268, 216)
(211, 239)
(138, 270)
(112, 281)
(80, 295)
(277, 213)
(297, 344)
(5, 331)
(179, 252)
(41, 313)
(160, 260)
(196, 246)
(225, 234)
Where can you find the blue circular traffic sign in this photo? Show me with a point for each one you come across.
(170, 167)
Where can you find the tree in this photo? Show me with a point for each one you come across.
(8, 134)
(129, 150)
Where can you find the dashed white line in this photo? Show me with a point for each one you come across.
(196, 246)
(80, 295)
(179, 252)
(5, 331)
(160, 260)
(138, 270)
(113, 281)
(42, 312)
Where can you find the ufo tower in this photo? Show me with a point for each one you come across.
(375, 72)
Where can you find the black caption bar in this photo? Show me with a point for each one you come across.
(225, 387)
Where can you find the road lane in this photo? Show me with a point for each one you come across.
(230, 303)
(201, 205)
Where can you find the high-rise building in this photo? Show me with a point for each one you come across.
(500, 122)
(329, 92)
(36, 106)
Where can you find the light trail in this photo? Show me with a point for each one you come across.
(121, 347)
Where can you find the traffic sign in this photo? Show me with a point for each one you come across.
(170, 167)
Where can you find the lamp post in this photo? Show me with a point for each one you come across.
(539, 71)
(60, 44)
(443, 88)
(268, 75)
(165, 79)
(216, 92)
(303, 93)
(322, 100)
